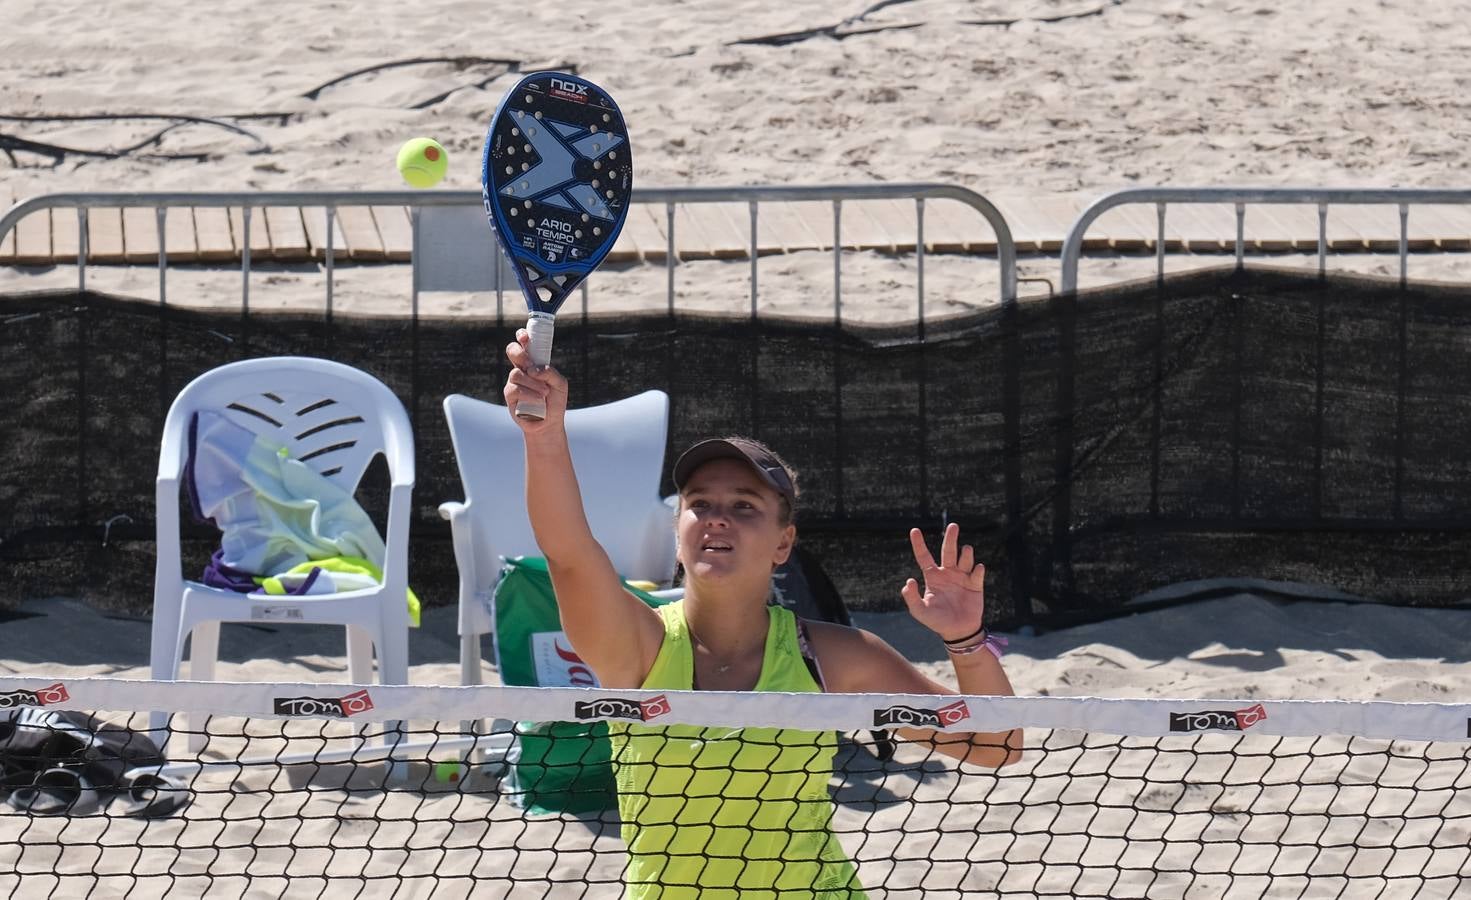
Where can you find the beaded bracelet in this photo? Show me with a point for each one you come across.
(994, 643)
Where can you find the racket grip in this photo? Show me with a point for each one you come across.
(540, 326)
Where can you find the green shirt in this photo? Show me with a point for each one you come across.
(729, 812)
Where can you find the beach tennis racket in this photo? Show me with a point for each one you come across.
(557, 178)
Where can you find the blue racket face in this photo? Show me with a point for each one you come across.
(556, 177)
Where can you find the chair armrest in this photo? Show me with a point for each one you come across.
(166, 529)
(473, 617)
(396, 543)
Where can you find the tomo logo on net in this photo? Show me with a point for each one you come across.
(622, 708)
(557, 664)
(328, 707)
(945, 716)
(45, 696)
(1218, 719)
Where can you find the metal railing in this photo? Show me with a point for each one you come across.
(1322, 198)
(1066, 450)
(416, 201)
(474, 237)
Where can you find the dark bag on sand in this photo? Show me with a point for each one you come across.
(61, 762)
(801, 585)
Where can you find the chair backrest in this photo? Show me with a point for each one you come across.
(333, 417)
(618, 453)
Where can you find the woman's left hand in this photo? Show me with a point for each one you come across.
(953, 604)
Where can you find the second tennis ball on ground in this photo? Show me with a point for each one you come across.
(450, 771)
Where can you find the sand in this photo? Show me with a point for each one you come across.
(1037, 99)
(1077, 97)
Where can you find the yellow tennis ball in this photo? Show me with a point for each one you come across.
(422, 162)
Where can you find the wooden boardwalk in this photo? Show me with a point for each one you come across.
(723, 231)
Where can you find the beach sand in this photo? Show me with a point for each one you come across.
(1069, 97)
(1063, 98)
(1163, 92)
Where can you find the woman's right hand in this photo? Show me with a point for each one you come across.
(527, 381)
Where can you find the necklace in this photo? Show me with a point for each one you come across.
(720, 668)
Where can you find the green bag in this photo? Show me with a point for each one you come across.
(553, 766)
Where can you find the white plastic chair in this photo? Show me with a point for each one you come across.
(618, 453)
(334, 418)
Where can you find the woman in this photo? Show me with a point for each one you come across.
(709, 812)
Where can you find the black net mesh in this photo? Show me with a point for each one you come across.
(1217, 425)
(298, 808)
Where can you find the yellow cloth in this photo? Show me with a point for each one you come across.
(726, 813)
(343, 573)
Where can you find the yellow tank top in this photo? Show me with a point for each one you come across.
(722, 812)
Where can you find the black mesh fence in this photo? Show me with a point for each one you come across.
(1216, 425)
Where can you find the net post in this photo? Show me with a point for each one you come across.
(919, 259)
(1240, 236)
(159, 213)
(838, 261)
(245, 261)
(331, 214)
(1404, 245)
(920, 406)
(754, 256)
(82, 250)
(1322, 241)
(1159, 246)
(415, 214)
(669, 257)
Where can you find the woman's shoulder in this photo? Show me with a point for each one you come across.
(831, 633)
(855, 660)
(842, 644)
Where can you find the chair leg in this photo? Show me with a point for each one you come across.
(470, 673)
(393, 668)
(204, 650)
(470, 662)
(393, 657)
(359, 655)
(163, 660)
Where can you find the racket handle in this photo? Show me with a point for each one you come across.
(539, 326)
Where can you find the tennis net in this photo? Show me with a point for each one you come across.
(307, 790)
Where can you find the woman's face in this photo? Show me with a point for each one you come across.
(730, 523)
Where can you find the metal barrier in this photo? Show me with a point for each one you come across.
(1072, 247)
(473, 237)
(416, 201)
(1064, 527)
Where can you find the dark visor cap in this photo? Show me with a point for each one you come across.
(758, 457)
